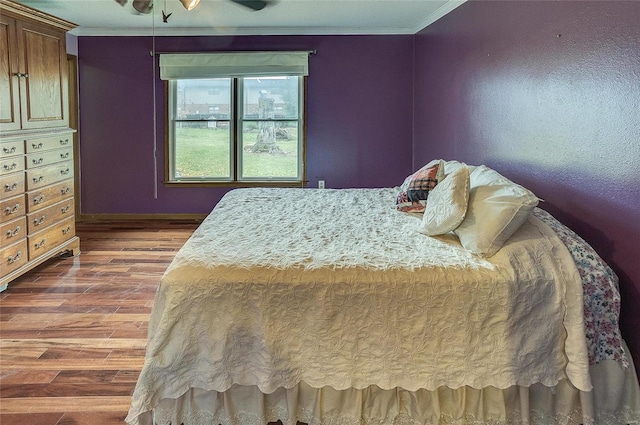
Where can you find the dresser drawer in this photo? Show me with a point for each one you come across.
(47, 216)
(49, 157)
(42, 198)
(14, 256)
(48, 143)
(12, 148)
(44, 176)
(11, 208)
(11, 165)
(11, 185)
(41, 242)
(12, 231)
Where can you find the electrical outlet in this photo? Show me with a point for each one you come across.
(320, 184)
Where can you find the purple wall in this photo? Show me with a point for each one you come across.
(359, 117)
(547, 93)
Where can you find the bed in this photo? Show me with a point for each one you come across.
(373, 306)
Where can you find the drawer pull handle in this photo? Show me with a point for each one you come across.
(36, 146)
(38, 222)
(64, 142)
(12, 259)
(38, 200)
(38, 179)
(13, 210)
(64, 155)
(13, 233)
(65, 210)
(65, 190)
(40, 244)
(10, 167)
(66, 231)
(9, 188)
(65, 172)
(21, 74)
(12, 149)
(37, 161)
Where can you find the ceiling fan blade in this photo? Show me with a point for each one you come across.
(252, 4)
(143, 6)
(121, 2)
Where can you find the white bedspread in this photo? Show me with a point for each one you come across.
(336, 288)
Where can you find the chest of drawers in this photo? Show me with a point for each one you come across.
(37, 217)
(36, 143)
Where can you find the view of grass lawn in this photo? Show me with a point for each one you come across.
(204, 152)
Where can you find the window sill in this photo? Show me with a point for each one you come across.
(235, 184)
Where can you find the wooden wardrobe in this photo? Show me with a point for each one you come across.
(37, 213)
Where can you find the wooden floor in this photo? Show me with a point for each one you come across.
(73, 331)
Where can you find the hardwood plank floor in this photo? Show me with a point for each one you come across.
(73, 330)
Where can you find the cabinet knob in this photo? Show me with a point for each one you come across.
(12, 259)
(13, 210)
(13, 233)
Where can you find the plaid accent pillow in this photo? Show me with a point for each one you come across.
(416, 188)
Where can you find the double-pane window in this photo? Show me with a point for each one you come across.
(246, 127)
(236, 129)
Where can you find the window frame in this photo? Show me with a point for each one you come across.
(235, 145)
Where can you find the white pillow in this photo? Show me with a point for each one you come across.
(447, 203)
(451, 166)
(497, 208)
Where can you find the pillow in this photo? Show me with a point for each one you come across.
(447, 204)
(497, 208)
(415, 189)
(430, 164)
(451, 166)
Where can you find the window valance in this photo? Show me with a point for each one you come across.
(179, 66)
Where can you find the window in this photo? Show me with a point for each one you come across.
(239, 129)
(236, 129)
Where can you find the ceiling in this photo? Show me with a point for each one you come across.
(223, 17)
